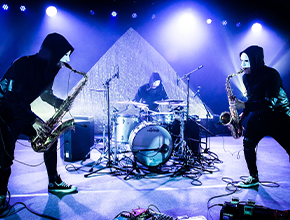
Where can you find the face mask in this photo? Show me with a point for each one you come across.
(156, 84)
(245, 61)
(65, 58)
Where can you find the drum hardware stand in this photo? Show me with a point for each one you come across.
(185, 166)
(205, 129)
(109, 163)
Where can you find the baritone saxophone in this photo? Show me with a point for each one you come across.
(232, 119)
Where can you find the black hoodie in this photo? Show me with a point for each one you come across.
(264, 86)
(30, 77)
(148, 95)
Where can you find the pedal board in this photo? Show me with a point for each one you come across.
(236, 210)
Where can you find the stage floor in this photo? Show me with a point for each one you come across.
(103, 195)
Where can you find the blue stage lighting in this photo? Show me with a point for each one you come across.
(22, 8)
(238, 24)
(92, 12)
(224, 22)
(209, 21)
(256, 27)
(114, 14)
(134, 15)
(5, 7)
(51, 11)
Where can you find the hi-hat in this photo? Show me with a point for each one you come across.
(138, 104)
(168, 102)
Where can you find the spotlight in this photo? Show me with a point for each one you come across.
(209, 21)
(238, 24)
(22, 8)
(153, 16)
(224, 22)
(134, 15)
(114, 14)
(256, 27)
(92, 12)
(5, 7)
(51, 11)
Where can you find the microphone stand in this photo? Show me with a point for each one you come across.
(109, 163)
(185, 165)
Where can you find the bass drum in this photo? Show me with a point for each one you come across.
(151, 144)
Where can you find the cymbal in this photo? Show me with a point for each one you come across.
(168, 101)
(138, 104)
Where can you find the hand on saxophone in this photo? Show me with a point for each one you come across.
(237, 104)
(41, 128)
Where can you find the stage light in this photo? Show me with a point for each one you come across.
(92, 12)
(134, 15)
(224, 22)
(256, 27)
(153, 16)
(5, 7)
(22, 8)
(209, 21)
(51, 11)
(114, 14)
(238, 24)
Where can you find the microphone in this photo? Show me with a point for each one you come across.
(164, 148)
(200, 66)
(117, 72)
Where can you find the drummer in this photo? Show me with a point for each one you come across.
(150, 93)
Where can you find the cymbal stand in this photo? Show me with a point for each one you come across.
(185, 166)
(109, 163)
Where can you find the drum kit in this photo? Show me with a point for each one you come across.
(152, 136)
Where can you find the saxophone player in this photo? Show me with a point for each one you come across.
(269, 105)
(26, 79)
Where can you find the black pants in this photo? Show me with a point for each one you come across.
(10, 130)
(258, 127)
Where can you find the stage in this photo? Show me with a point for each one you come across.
(200, 193)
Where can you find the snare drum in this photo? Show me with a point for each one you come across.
(162, 118)
(151, 144)
(124, 126)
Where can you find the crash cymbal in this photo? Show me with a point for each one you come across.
(168, 101)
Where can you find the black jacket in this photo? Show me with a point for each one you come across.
(265, 91)
(147, 95)
(30, 77)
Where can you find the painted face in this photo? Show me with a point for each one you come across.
(245, 61)
(156, 84)
(65, 58)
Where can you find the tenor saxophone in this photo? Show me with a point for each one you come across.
(42, 144)
(232, 119)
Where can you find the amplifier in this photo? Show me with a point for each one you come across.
(236, 210)
(76, 144)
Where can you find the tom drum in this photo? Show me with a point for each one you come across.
(124, 126)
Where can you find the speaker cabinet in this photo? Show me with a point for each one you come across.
(76, 144)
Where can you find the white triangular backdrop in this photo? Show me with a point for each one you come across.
(136, 60)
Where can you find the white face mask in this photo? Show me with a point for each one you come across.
(156, 84)
(65, 58)
(245, 61)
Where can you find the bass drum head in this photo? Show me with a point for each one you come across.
(151, 144)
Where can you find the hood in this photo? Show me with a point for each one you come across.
(256, 57)
(154, 77)
(56, 46)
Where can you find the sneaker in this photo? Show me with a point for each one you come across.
(249, 182)
(58, 186)
(3, 203)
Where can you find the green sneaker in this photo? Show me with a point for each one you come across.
(249, 182)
